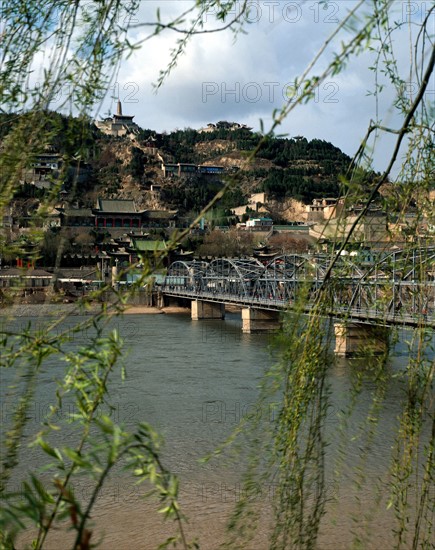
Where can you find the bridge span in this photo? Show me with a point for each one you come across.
(398, 289)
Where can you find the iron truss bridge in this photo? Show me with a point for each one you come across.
(397, 289)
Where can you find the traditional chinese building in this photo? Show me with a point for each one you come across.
(186, 169)
(44, 170)
(76, 217)
(119, 124)
(117, 213)
(24, 279)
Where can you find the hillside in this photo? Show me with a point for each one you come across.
(283, 168)
(98, 165)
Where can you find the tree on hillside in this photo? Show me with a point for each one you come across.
(84, 43)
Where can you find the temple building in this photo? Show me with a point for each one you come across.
(118, 125)
(117, 213)
(110, 213)
(44, 170)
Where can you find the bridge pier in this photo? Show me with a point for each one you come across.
(259, 320)
(160, 300)
(207, 310)
(360, 339)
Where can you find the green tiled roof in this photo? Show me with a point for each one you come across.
(149, 246)
(291, 227)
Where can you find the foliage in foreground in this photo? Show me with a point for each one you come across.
(294, 453)
(48, 500)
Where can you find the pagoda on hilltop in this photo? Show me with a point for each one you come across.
(118, 125)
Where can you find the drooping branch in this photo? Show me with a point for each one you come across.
(401, 133)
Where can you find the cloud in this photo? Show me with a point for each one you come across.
(220, 78)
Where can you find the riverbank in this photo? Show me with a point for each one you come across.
(148, 310)
(59, 310)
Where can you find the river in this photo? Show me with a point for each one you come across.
(194, 382)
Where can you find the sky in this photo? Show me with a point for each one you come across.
(244, 78)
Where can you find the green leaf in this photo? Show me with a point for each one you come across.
(48, 449)
(46, 497)
(76, 458)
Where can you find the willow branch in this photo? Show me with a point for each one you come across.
(404, 129)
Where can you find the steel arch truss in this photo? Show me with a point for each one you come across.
(402, 282)
(185, 276)
(232, 276)
(400, 286)
(283, 278)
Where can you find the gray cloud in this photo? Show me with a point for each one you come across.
(246, 79)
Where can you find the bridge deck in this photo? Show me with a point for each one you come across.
(379, 316)
(396, 289)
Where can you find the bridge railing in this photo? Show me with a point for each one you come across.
(276, 303)
(393, 288)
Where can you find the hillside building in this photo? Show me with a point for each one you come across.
(231, 126)
(44, 170)
(324, 209)
(186, 169)
(119, 124)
